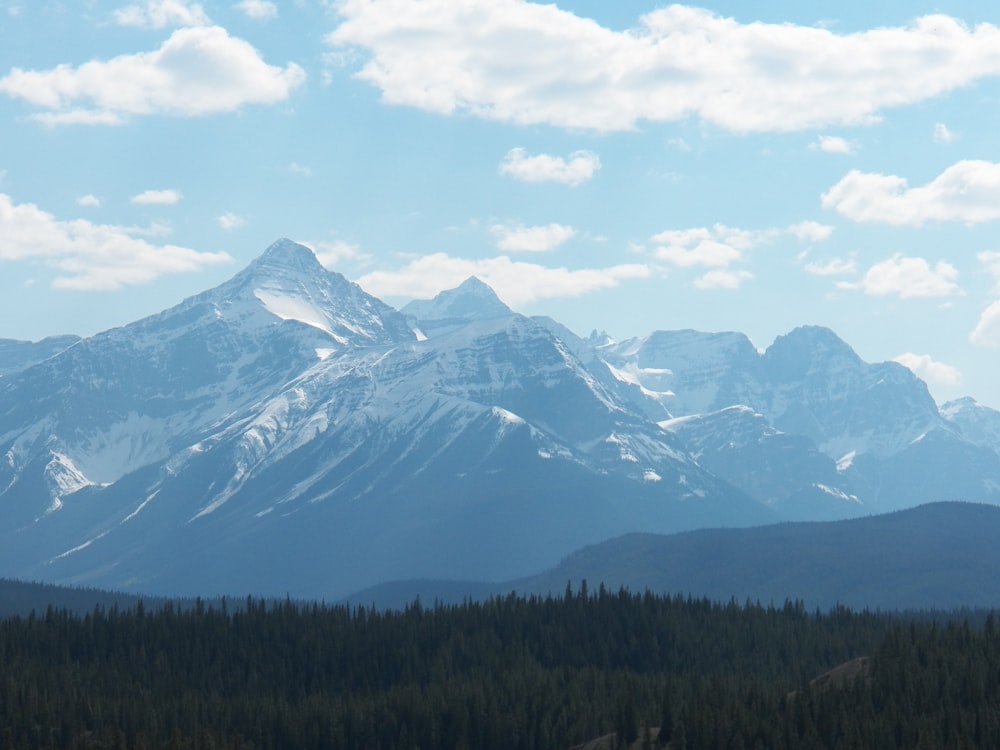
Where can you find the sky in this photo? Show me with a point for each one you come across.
(623, 166)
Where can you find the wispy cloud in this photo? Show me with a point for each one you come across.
(231, 221)
(574, 171)
(158, 14)
(537, 239)
(907, 277)
(942, 134)
(832, 144)
(833, 267)
(967, 191)
(517, 283)
(926, 367)
(157, 197)
(721, 279)
(333, 252)
(258, 10)
(534, 63)
(90, 201)
(88, 256)
(198, 71)
(300, 169)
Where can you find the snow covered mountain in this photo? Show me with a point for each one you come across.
(286, 432)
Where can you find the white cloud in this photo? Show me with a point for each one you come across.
(259, 10)
(331, 253)
(810, 231)
(533, 63)
(720, 246)
(231, 221)
(158, 197)
(721, 279)
(158, 14)
(834, 267)
(517, 283)
(832, 144)
(91, 256)
(942, 134)
(987, 330)
(967, 191)
(907, 277)
(581, 166)
(197, 71)
(991, 260)
(538, 239)
(299, 169)
(707, 246)
(930, 370)
(90, 201)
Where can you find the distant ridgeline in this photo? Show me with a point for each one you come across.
(510, 672)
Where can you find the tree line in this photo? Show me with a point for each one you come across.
(509, 672)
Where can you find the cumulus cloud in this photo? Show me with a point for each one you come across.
(158, 14)
(942, 134)
(832, 144)
(930, 370)
(987, 330)
(707, 246)
(538, 239)
(517, 283)
(90, 256)
(90, 201)
(259, 10)
(158, 197)
(967, 191)
(906, 278)
(718, 247)
(231, 221)
(197, 71)
(580, 167)
(534, 63)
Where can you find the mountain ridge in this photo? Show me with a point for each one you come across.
(286, 428)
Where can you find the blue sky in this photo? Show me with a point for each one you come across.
(627, 166)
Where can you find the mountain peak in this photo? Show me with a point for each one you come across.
(470, 300)
(286, 254)
(804, 347)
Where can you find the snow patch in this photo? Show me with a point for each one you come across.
(508, 417)
(296, 308)
(651, 476)
(845, 461)
(79, 547)
(138, 510)
(839, 494)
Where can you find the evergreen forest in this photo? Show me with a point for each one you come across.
(510, 672)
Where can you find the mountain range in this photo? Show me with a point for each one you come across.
(288, 433)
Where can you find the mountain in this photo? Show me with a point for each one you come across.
(288, 433)
(938, 556)
(453, 308)
(18, 355)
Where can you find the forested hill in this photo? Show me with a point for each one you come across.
(509, 672)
